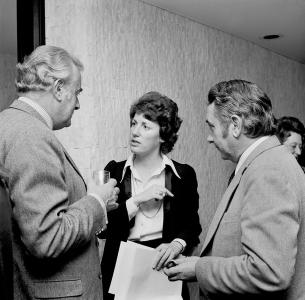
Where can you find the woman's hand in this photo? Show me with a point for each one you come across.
(155, 191)
(166, 252)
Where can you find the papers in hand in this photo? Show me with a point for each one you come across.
(134, 278)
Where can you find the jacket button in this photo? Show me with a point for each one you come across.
(100, 275)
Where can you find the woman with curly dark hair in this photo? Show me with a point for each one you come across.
(290, 131)
(158, 200)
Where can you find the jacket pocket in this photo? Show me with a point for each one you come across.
(57, 289)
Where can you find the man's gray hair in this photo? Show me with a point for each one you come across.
(43, 66)
(244, 99)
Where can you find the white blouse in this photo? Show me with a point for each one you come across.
(148, 216)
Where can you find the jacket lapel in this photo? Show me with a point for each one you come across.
(222, 207)
(168, 185)
(70, 160)
(127, 184)
(19, 105)
(229, 193)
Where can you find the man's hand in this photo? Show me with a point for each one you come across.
(107, 192)
(166, 252)
(184, 269)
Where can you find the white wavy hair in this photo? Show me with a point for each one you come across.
(43, 66)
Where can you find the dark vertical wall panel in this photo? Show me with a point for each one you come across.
(30, 26)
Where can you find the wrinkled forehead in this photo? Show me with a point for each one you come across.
(77, 75)
(210, 114)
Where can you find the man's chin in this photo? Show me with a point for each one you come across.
(61, 126)
(224, 156)
(68, 123)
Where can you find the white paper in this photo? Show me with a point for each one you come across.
(134, 278)
(119, 271)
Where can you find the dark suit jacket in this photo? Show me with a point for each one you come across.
(181, 219)
(6, 257)
(54, 221)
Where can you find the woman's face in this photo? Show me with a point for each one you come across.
(294, 144)
(144, 136)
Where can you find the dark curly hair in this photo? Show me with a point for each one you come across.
(158, 108)
(286, 125)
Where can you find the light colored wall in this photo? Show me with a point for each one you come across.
(129, 48)
(7, 78)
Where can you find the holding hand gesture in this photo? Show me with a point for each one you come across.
(167, 252)
(107, 192)
(155, 191)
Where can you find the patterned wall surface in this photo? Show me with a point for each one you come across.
(129, 48)
(7, 79)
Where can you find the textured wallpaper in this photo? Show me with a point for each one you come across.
(7, 79)
(129, 48)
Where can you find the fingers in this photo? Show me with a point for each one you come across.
(172, 273)
(158, 196)
(174, 277)
(165, 191)
(161, 192)
(112, 206)
(161, 246)
(116, 190)
(163, 257)
(112, 182)
(111, 203)
(180, 260)
(157, 192)
(171, 264)
(113, 196)
(170, 256)
(166, 253)
(169, 193)
(160, 250)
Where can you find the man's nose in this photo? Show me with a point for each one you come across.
(77, 105)
(298, 150)
(210, 139)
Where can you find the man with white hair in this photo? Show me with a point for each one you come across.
(55, 216)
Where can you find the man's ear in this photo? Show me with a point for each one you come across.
(237, 123)
(57, 89)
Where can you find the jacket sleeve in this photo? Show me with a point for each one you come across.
(53, 213)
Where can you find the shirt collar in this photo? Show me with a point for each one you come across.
(248, 151)
(39, 109)
(165, 161)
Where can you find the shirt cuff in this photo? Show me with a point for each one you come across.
(98, 198)
(132, 208)
(182, 242)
